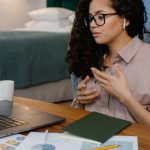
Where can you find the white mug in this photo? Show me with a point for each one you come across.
(6, 90)
(6, 96)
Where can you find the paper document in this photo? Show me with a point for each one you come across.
(120, 143)
(11, 142)
(60, 141)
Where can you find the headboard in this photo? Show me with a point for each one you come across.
(70, 4)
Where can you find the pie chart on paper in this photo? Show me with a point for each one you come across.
(43, 147)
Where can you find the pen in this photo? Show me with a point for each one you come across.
(109, 147)
(45, 136)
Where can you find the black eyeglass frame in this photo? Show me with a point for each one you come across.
(87, 23)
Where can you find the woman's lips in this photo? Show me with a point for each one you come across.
(96, 34)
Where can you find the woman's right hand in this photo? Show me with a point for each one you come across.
(84, 95)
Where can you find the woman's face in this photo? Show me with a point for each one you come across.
(108, 31)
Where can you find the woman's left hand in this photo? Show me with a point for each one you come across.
(116, 86)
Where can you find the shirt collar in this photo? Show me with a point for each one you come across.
(128, 52)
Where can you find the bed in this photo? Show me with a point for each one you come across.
(36, 62)
(35, 57)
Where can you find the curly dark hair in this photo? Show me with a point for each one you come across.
(84, 52)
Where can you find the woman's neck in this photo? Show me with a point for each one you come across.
(114, 47)
(117, 44)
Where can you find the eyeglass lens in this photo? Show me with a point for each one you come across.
(98, 18)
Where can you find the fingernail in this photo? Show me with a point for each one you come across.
(97, 94)
(79, 98)
(92, 68)
(95, 90)
(84, 85)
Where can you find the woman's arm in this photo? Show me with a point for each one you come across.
(118, 87)
(137, 110)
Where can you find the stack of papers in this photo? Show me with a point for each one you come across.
(60, 141)
(65, 141)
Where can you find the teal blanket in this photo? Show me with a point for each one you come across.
(31, 58)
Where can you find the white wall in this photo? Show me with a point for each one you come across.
(13, 13)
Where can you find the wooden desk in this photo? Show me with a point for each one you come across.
(72, 114)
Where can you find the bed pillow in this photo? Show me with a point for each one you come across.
(47, 24)
(29, 24)
(50, 14)
(71, 17)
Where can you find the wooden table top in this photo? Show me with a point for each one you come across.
(71, 114)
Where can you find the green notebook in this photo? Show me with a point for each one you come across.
(96, 126)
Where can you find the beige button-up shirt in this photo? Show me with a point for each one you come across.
(134, 60)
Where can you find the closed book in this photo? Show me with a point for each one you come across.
(96, 126)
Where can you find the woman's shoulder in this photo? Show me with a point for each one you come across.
(146, 47)
(146, 42)
(142, 51)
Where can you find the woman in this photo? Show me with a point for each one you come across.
(110, 59)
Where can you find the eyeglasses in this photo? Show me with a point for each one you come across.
(98, 18)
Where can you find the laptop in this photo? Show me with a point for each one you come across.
(17, 118)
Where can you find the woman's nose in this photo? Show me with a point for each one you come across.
(93, 24)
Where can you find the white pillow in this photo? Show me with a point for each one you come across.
(71, 17)
(47, 24)
(50, 13)
(29, 24)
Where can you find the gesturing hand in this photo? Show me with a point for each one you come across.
(84, 95)
(116, 86)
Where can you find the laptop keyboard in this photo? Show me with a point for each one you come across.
(7, 122)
